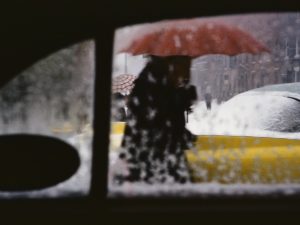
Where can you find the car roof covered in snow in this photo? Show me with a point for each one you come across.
(288, 87)
(289, 90)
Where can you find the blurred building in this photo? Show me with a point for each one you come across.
(227, 76)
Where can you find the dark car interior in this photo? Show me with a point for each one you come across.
(31, 30)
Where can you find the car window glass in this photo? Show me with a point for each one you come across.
(206, 106)
(54, 98)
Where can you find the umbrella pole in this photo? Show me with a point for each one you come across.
(186, 116)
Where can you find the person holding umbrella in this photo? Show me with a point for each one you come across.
(118, 107)
(121, 87)
(155, 135)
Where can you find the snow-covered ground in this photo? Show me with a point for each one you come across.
(203, 189)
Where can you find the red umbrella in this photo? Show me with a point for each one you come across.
(123, 84)
(194, 38)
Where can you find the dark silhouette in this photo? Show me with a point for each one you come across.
(118, 107)
(208, 99)
(28, 168)
(155, 135)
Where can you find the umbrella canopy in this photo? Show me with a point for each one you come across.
(123, 84)
(194, 38)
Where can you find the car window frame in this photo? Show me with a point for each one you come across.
(97, 199)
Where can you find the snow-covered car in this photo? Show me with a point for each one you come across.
(266, 110)
(251, 138)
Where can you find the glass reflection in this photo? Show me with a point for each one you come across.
(245, 121)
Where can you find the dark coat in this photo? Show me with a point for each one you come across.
(155, 135)
(118, 111)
